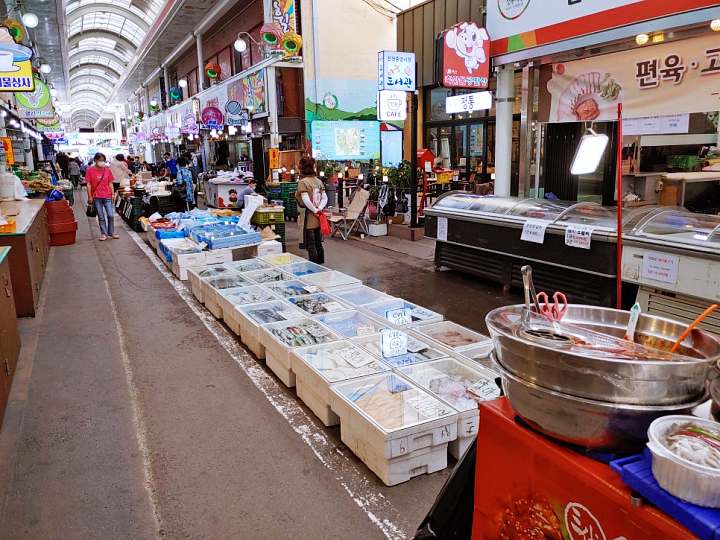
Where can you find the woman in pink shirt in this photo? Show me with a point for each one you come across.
(99, 180)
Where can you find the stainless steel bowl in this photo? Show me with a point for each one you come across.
(549, 363)
(583, 422)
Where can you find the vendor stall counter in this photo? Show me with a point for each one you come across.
(28, 258)
(9, 337)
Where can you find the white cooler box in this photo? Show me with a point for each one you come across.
(267, 275)
(397, 429)
(316, 368)
(269, 247)
(247, 265)
(232, 299)
(331, 281)
(351, 323)
(252, 317)
(453, 336)
(401, 313)
(280, 339)
(460, 386)
(360, 295)
(211, 288)
(282, 259)
(418, 351)
(196, 275)
(290, 288)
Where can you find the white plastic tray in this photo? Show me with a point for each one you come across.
(198, 273)
(385, 308)
(332, 280)
(211, 288)
(318, 303)
(293, 287)
(361, 295)
(231, 299)
(304, 269)
(316, 368)
(419, 350)
(252, 317)
(248, 265)
(351, 323)
(281, 259)
(452, 335)
(267, 276)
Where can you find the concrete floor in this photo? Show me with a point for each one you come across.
(134, 414)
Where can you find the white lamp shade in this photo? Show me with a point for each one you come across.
(589, 153)
(153, 102)
(240, 45)
(182, 83)
(30, 20)
(45, 68)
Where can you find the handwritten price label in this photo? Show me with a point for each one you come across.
(534, 231)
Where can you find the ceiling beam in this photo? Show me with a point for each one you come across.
(75, 39)
(93, 65)
(89, 9)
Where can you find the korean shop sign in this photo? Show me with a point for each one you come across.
(35, 104)
(464, 57)
(212, 118)
(657, 80)
(516, 25)
(15, 65)
(396, 71)
(467, 103)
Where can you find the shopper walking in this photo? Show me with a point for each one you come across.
(171, 164)
(74, 171)
(99, 179)
(311, 196)
(184, 189)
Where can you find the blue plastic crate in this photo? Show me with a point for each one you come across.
(636, 472)
(161, 234)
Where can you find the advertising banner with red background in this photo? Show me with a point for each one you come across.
(516, 25)
(464, 57)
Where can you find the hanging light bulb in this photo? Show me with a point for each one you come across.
(240, 45)
(153, 102)
(715, 25)
(30, 20)
(45, 68)
(642, 39)
(182, 83)
(53, 92)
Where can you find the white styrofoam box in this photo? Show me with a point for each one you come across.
(252, 316)
(231, 299)
(267, 275)
(181, 272)
(317, 367)
(189, 259)
(279, 339)
(282, 259)
(418, 350)
(360, 295)
(219, 256)
(247, 265)
(290, 288)
(391, 417)
(460, 386)
(152, 240)
(304, 269)
(318, 303)
(269, 247)
(331, 281)
(212, 286)
(396, 308)
(378, 229)
(197, 274)
(453, 336)
(397, 470)
(351, 323)
(478, 356)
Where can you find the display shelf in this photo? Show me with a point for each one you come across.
(303, 269)
(282, 259)
(418, 350)
(293, 287)
(394, 309)
(351, 323)
(211, 288)
(316, 368)
(232, 299)
(248, 265)
(251, 318)
(389, 423)
(318, 303)
(267, 276)
(198, 273)
(361, 296)
(460, 386)
(453, 336)
(279, 339)
(331, 281)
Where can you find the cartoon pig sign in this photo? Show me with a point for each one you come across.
(465, 58)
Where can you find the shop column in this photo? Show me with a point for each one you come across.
(503, 133)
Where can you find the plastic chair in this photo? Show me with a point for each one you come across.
(352, 217)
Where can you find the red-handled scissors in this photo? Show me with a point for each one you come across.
(554, 311)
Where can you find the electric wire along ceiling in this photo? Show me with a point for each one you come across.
(103, 37)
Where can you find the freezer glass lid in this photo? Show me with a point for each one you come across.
(213, 271)
(268, 275)
(281, 259)
(240, 296)
(417, 351)
(361, 296)
(340, 361)
(351, 324)
(293, 287)
(317, 304)
(540, 209)
(248, 265)
(683, 227)
(301, 333)
(270, 312)
(452, 335)
(590, 214)
(392, 402)
(227, 282)
(401, 312)
(330, 279)
(454, 382)
(475, 203)
(306, 268)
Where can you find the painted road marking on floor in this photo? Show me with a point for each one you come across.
(378, 509)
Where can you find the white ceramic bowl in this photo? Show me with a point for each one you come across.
(691, 482)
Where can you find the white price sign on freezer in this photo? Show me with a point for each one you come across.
(442, 229)
(578, 236)
(534, 231)
(660, 267)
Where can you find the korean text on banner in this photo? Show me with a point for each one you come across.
(396, 71)
(465, 57)
(664, 79)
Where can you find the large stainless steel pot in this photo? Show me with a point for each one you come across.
(641, 382)
(583, 422)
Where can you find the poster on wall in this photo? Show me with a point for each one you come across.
(346, 140)
(250, 93)
(663, 79)
(235, 115)
(516, 25)
(15, 64)
(464, 59)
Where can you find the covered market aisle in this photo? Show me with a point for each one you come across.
(135, 414)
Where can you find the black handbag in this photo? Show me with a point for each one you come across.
(90, 210)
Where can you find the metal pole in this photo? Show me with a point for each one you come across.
(200, 62)
(413, 161)
(619, 175)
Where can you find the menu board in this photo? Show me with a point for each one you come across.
(346, 140)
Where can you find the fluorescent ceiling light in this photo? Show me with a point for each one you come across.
(589, 153)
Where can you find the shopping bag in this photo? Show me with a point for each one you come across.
(325, 227)
(90, 210)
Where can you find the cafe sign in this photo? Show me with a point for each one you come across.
(15, 65)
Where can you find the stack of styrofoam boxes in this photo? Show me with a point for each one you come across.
(279, 339)
(268, 247)
(461, 387)
(465, 344)
(197, 274)
(182, 252)
(251, 318)
(316, 368)
(235, 299)
(397, 429)
(214, 285)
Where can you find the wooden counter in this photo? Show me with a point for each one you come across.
(29, 254)
(9, 337)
